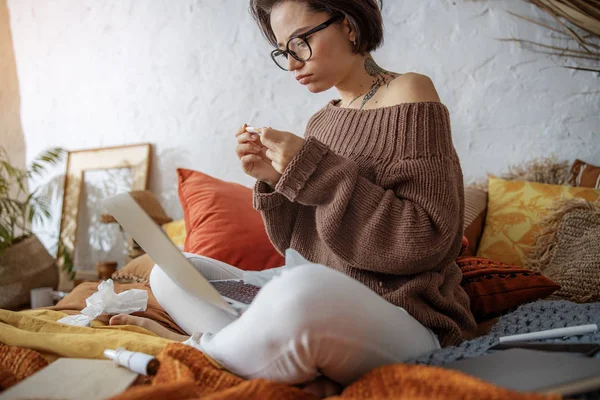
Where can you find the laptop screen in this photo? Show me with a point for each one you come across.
(159, 247)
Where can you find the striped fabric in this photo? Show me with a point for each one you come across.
(585, 175)
(475, 211)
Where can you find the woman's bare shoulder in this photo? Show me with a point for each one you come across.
(411, 87)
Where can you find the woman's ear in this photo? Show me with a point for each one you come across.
(348, 30)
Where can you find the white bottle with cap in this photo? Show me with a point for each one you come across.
(140, 363)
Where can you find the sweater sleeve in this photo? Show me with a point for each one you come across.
(279, 215)
(413, 226)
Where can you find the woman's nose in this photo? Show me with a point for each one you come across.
(294, 64)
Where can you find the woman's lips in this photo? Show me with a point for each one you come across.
(304, 79)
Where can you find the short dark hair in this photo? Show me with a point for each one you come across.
(364, 17)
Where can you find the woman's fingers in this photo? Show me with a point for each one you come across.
(271, 155)
(244, 136)
(273, 158)
(249, 162)
(263, 155)
(277, 167)
(247, 137)
(241, 130)
(272, 137)
(246, 148)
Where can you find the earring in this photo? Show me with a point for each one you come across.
(354, 42)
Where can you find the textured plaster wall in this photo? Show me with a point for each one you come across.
(11, 133)
(184, 74)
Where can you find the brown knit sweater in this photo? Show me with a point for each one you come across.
(378, 195)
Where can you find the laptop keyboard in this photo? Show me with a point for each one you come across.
(236, 290)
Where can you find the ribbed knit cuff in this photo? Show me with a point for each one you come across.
(300, 169)
(265, 198)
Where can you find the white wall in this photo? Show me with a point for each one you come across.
(185, 74)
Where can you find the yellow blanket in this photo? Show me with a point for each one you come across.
(39, 331)
(187, 374)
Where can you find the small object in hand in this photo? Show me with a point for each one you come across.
(105, 269)
(252, 129)
(137, 362)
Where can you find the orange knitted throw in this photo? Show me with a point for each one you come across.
(17, 364)
(185, 373)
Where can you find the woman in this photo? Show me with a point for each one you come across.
(373, 194)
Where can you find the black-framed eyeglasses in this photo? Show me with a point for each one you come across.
(298, 46)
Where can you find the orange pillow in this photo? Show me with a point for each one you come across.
(221, 223)
(495, 288)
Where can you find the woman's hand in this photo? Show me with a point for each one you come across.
(252, 155)
(281, 147)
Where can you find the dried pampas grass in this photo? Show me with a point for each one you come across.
(578, 23)
(547, 170)
(541, 170)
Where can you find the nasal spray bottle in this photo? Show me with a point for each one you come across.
(140, 363)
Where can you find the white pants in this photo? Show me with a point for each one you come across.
(307, 321)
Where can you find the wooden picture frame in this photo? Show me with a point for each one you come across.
(136, 157)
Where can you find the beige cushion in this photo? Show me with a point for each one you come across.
(137, 270)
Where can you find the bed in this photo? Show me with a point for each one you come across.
(187, 373)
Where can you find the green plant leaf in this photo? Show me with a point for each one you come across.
(10, 206)
(19, 207)
(44, 160)
(40, 207)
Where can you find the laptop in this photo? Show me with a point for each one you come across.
(534, 371)
(231, 295)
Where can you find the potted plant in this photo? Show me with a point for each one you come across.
(24, 262)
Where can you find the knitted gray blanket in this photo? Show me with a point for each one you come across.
(536, 316)
(532, 317)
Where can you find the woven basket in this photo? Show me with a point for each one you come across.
(24, 266)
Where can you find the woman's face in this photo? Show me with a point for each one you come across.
(331, 47)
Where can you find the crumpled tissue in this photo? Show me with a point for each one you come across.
(105, 300)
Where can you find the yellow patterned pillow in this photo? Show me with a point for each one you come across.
(514, 208)
(176, 232)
